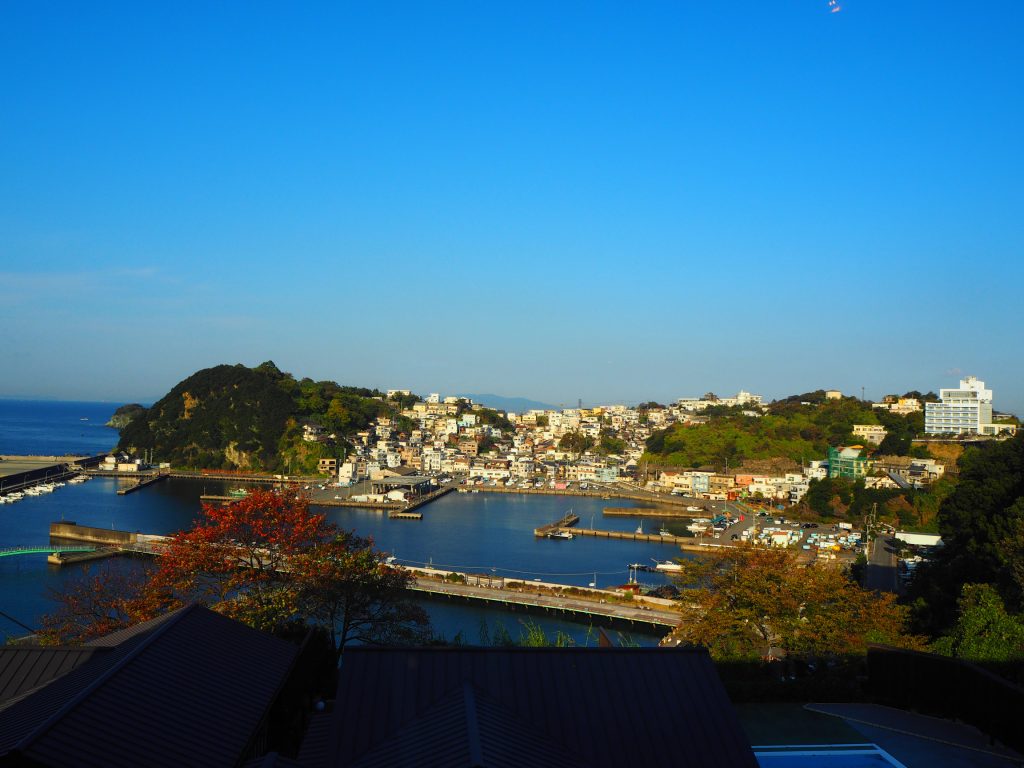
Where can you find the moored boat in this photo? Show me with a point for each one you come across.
(667, 565)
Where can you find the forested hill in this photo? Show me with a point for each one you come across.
(801, 427)
(234, 417)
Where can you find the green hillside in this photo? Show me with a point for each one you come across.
(798, 428)
(234, 417)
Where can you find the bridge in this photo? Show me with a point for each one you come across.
(41, 549)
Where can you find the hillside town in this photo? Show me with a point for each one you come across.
(605, 446)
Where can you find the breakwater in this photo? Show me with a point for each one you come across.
(652, 512)
(616, 493)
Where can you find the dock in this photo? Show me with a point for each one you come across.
(685, 543)
(20, 472)
(653, 512)
(143, 481)
(405, 515)
(630, 536)
(574, 602)
(566, 521)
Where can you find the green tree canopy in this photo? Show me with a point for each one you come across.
(977, 521)
(984, 631)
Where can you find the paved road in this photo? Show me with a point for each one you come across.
(881, 570)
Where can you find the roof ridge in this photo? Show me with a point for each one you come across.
(83, 693)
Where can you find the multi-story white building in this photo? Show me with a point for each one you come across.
(966, 410)
(872, 433)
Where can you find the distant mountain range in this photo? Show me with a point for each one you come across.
(513, 404)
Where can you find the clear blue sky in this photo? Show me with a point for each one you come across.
(611, 202)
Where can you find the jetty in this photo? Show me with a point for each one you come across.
(567, 521)
(573, 602)
(143, 481)
(660, 499)
(20, 472)
(654, 512)
(405, 515)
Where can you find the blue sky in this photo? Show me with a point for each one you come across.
(613, 202)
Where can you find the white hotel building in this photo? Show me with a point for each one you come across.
(967, 410)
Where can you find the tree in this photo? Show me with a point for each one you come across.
(346, 588)
(610, 444)
(575, 442)
(237, 557)
(265, 560)
(96, 605)
(745, 602)
(984, 631)
(976, 521)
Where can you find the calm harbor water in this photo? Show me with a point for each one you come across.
(491, 533)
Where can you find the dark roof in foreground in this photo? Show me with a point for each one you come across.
(191, 688)
(24, 668)
(531, 706)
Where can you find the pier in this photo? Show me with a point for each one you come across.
(575, 602)
(608, 493)
(20, 472)
(653, 512)
(558, 526)
(143, 481)
(629, 536)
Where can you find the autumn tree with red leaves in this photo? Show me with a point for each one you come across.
(98, 603)
(747, 602)
(266, 560)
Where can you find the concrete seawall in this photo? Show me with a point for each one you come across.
(74, 532)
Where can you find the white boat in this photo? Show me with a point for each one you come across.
(667, 565)
(692, 508)
(664, 531)
(560, 535)
(640, 528)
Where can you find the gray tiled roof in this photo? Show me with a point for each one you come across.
(23, 668)
(604, 707)
(192, 690)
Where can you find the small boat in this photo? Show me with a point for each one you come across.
(640, 528)
(560, 535)
(692, 508)
(664, 531)
(238, 493)
(642, 567)
(667, 565)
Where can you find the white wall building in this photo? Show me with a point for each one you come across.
(966, 410)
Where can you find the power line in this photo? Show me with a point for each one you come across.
(20, 624)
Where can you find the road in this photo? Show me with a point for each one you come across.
(881, 570)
